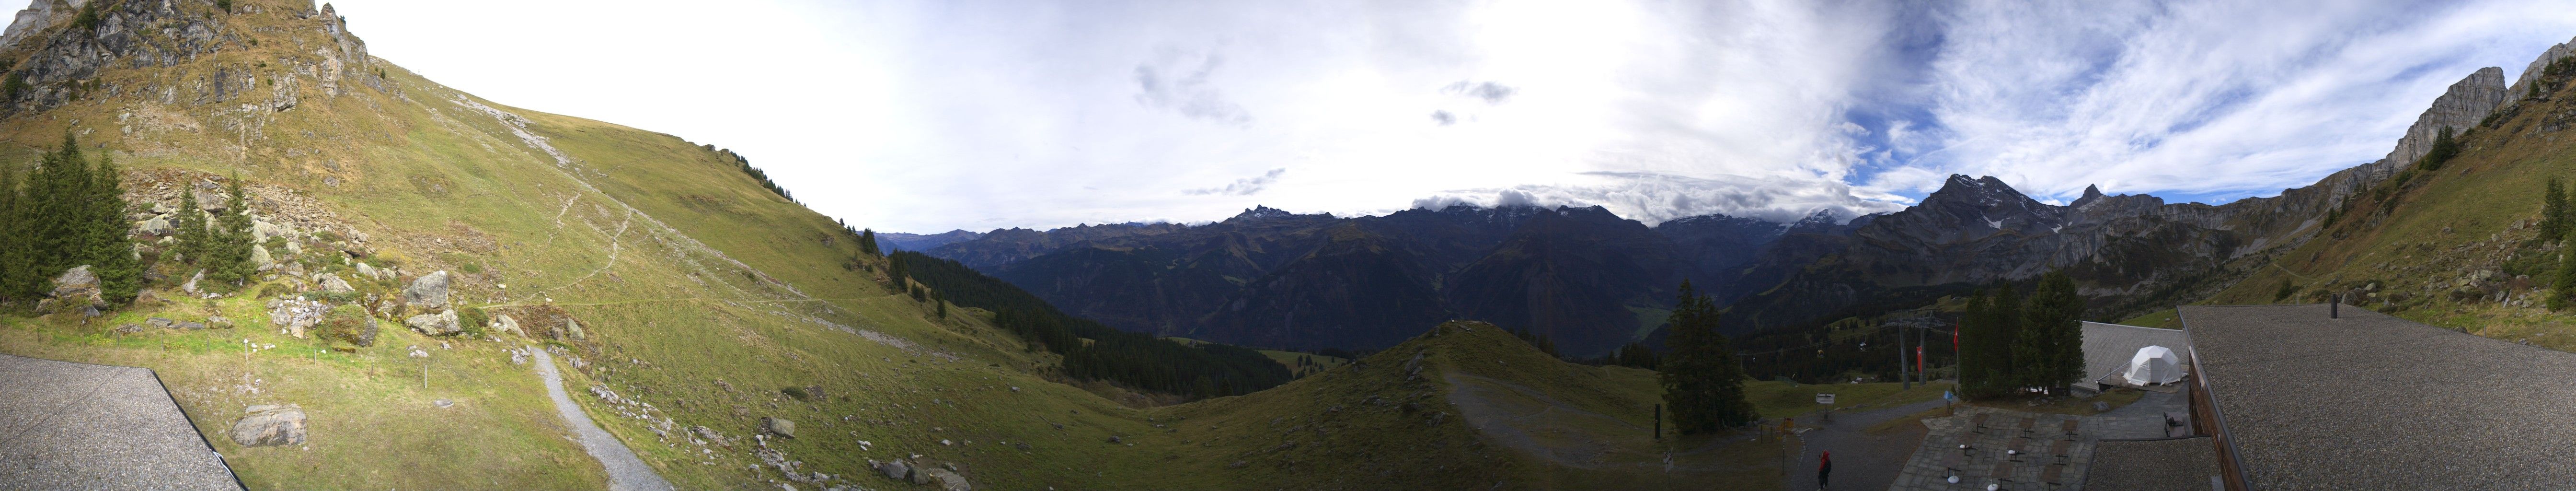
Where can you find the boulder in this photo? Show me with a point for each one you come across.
(778, 426)
(894, 469)
(76, 290)
(191, 325)
(191, 286)
(504, 324)
(440, 324)
(218, 322)
(332, 283)
(429, 290)
(947, 480)
(270, 424)
(572, 329)
(129, 329)
(259, 257)
(210, 200)
(161, 323)
(157, 226)
(368, 271)
(261, 230)
(294, 248)
(163, 209)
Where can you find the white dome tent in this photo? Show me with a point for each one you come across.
(2153, 365)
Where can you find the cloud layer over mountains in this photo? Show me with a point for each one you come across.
(930, 116)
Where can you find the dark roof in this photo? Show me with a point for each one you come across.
(2108, 347)
(82, 426)
(2370, 401)
(2159, 465)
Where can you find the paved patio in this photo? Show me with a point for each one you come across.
(2026, 451)
(76, 426)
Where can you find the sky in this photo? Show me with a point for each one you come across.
(926, 116)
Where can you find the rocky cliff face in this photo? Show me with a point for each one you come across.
(2522, 84)
(39, 15)
(144, 34)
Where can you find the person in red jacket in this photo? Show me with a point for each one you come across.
(1824, 470)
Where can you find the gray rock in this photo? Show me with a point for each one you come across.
(259, 257)
(157, 226)
(2099, 406)
(503, 323)
(129, 329)
(218, 322)
(211, 201)
(778, 426)
(440, 324)
(163, 209)
(294, 248)
(261, 230)
(75, 291)
(894, 469)
(160, 322)
(192, 325)
(429, 290)
(572, 329)
(947, 480)
(332, 283)
(191, 286)
(270, 425)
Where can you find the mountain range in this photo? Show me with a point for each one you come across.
(1593, 281)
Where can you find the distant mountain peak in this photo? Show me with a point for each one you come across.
(1259, 211)
(2091, 193)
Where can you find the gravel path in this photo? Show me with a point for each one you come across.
(1862, 460)
(625, 472)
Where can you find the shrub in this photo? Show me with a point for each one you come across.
(348, 323)
(796, 392)
(473, 320)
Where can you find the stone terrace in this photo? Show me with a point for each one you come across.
(2051, 451)
(2370, 401)
(76, 426)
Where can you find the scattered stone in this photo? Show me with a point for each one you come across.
(270, 424)
(505, 324)
(218, 322)
(161, 323)
(948, 480)
(191, 287)
(429, 290)
(2099, 406)
(157, 226)
(572, 329)
(294, 248)
(442, 403)
(261, 230)
(129, 329)
(440, 324)
(259, 257)
(778, 426)
(711, 435)
(75, 291)
(192, 326)
(368, 271)
(894, 469)
(332, 283)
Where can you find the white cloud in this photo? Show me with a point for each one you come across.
(932, 115)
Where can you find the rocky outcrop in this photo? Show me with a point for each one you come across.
(2522, 84)
(442, 323)
(39, 15)
(778, 426)
(270, 425)
(76, 290)
(429, 290)
(505, 325)
(332, 283)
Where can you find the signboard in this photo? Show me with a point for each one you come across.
(1823, 398)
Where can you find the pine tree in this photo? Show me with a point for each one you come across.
(2562, 292)
(1977, 372)
(1702, 381)
(2050, 353)
(868, 242)
(109, 251)
(232, 239)
(2553, 211)
(192, 241)
(19, 279)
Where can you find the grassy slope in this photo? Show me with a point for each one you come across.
(2459, 223)
(674, 320)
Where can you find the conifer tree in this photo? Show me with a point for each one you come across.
(2049, 352)
(2553, 211)
(231, 241)
(2562, 291)
(1702, 381)
(109, 252)
(192, 241)
(19, 278)
(868, 242)
(1978, 372)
